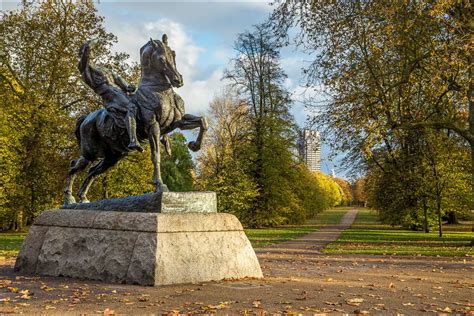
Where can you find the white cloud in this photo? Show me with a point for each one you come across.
(198, 94)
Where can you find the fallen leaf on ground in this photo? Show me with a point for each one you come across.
(46, 288)
(257, 303)
(355, 301)
(13, 289)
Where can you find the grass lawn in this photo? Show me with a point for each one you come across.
(368, 236)
(10, 244)
(268, 236)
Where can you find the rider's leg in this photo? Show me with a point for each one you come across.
(131, 124)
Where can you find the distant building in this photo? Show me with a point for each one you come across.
(309, 144)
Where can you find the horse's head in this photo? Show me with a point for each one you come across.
(157, 57)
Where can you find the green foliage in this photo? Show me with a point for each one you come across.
(418, 188)
(248, 158)
(235, 191)
(290, 192)
(398, 78)
(177, 169)
(346, 190)
(42, 95)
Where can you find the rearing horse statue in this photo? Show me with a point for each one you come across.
(103, 137)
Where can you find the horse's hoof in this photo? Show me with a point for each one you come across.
(194, 146)
(68, 200)
(162, 188)
(84, 201)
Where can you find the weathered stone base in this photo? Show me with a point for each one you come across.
(138, 248)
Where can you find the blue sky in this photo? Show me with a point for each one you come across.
(203, 34)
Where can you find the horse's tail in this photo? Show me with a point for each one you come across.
(77, 131)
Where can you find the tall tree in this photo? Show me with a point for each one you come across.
(387, 66)
(258, 77)
(43, 94)
(221, 164)
(40, 83)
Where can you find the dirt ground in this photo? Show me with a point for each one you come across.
(298, 279)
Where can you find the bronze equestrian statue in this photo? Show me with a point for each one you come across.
(131, 117)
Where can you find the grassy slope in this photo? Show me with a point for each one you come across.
(368, 236)
(10, 244)
(268, 236)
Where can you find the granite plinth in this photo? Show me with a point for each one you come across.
(163, 202)
(138, 248)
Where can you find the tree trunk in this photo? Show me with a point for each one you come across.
(425, 219)
(471, 123)
(452, 218)
(18, 221)
(472, 175)
(440, 224)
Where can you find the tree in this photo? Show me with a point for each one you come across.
(43, 94)
(426, 183)
(346, 190)
(178, 168)
(221, 164)
(258, 77)
(226, 165)
(390, 68)
(359, 192)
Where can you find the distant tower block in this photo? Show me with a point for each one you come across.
(310, 149)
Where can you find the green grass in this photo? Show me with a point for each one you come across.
(269, 236)
(368, 236)
(10, 244)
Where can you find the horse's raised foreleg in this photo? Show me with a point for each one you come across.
(154, 138)
(190, 121)
(76, 166)
(101, 167)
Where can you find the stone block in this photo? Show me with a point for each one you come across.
(164, 202)
(138, 248)
(28, 257)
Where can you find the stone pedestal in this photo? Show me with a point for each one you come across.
(138, 248)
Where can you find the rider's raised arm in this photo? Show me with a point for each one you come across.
(84, 67)
(83, 57)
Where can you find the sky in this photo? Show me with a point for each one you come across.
(203, 34)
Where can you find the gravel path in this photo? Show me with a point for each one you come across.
(297, 279)
(311, 243)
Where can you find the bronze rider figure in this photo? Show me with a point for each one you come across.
(113, 89)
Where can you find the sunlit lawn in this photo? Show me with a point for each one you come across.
(268, 236)
(368, 236)
(10, 244)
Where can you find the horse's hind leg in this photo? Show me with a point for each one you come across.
(76, 166)
(94, 171)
